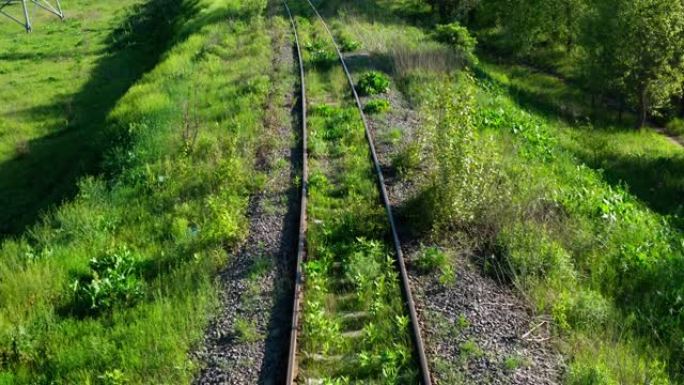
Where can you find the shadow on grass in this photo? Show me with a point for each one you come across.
(361, 62)
(48, 169)
(413, 12)
(656, 181)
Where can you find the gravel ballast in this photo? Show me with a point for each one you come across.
(247, 341)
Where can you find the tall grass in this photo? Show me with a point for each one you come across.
(116, 285)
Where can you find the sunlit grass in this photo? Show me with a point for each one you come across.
(181, 142)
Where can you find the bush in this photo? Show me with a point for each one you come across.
(348, 44)
(466, 181)
(377, 106)
(320, 56)
(458, 37)
(676, 127)
(373, 83)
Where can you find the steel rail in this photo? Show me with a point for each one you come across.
(405, 285)
(301, 242)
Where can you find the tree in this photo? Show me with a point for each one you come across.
(530, 24)
(459, 9)
(636, 47)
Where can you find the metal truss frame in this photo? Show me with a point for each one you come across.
(55, 9)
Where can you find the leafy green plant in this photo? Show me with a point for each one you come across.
(377, 106)
(470, 349)
(112, 377)
(320, 54)
(373, 83)
(462, 322)
(245, 331)
(112, 281)
(347, 43)
(431, 259)
(407, 159)
(514, 362)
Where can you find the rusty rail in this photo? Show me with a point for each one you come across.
(301, 242)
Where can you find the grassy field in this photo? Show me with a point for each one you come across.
(645, 162)
(580, 211)
(166, 101)
(58, 85)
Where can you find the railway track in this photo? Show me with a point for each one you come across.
(364, 295)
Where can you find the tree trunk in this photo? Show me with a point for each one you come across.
(443, 11)
(621, 110)
(643, 108)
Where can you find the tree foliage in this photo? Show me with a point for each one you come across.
(635, 48)
(629, 52)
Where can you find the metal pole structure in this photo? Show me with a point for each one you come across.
(26, 16)
(55, 9)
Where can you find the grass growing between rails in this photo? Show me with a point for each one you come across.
(501, 178)
(354, 324)
(116, 286)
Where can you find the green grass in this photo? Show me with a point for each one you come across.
(181, 132)
(582, 212)
(57, 86)
(349, 268)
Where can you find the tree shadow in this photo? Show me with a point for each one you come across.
(658, 181)
(374, 61)
(413, 12)
(46, 170)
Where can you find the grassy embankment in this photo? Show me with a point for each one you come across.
(115, 286)
(593, 249)
(57, 86)
(354, 325)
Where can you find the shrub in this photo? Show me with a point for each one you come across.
(377, 106)
(676, 127)
(466, 182)
(457, 37)
(373, 83)
(348, 44)
(320, 55)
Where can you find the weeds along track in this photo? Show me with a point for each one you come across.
(354, 319)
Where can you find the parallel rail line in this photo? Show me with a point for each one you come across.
(301, 249)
